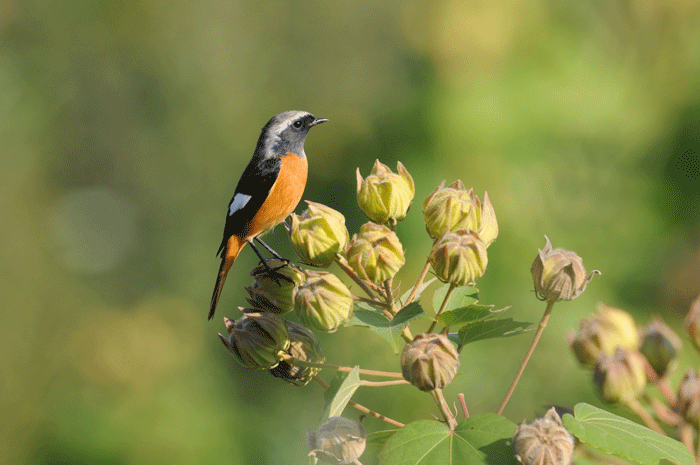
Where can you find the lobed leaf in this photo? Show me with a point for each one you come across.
(624, 438)
(468, 314)
(380, 324)
(461, 297)
(480, 439)
(488, 329)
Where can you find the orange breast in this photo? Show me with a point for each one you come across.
(284, 196)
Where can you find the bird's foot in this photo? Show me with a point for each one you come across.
(273, 272)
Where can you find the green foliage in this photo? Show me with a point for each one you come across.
(337, 396)
(480, 439)
(624, 438)
(475, 320)
(488, 329)
(461, 297)
(380, 324)
(468, 314)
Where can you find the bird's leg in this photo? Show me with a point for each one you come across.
(271, 272)
(278, 256)
(272, 251)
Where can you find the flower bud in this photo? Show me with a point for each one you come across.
(692, 323)
(318, 234)
(274, 292)
(559, 274)
(620, 377)
(429, 362)
(453, 208)
(303, 346)
(323, 302)
(459, 258)
(385, 196)
(375, 254)
(688, 404)
(337, 441)
(258, 340)
(660, 345)
(602, 333)
(545, 441)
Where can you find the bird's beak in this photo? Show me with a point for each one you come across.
(317, 121)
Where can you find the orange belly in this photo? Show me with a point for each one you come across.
(283, 198)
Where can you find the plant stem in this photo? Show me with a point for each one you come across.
(645, 416)
(302, 363)
(406, 334)
(442, 307)
(345, 266)
(444, 408)
(460, 396)
(362, 408)
(382, 383)
(389, 296)
(390, 310)
(663, 413)
(422, 276)
(660, 383)
(540, 330)
(686, 436)
(374, 303)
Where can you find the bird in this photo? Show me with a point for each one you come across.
(269, 190)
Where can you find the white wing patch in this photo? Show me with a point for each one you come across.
(239, 201)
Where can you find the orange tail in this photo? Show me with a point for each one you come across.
(233, 248)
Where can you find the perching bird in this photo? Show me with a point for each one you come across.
(269, 189)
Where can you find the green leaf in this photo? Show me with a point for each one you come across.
(339, 393)
(367, 317)
(380, 437)
(461, 297)
(468, 314)
(376, 440)
(388, 329)
(421, 288)
(487, 329)
(365, 306)
(480, 439)
(624, 438)
(598, 458)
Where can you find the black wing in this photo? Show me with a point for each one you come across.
(256, 181)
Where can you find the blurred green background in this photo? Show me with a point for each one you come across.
(124, 128)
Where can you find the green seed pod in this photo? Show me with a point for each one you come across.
(429, 362)
(620, 377)
(318, 235)
(375, 254)
(305, 347)
(545, 441)
(385, 196)
(459, 258)
(274, 292)
(559, 274)
(453, 208)
(323, 302)
(660, 345)
(602, 333)
(258, 340)
(338, 441)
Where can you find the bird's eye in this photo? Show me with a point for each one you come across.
(297, 124)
